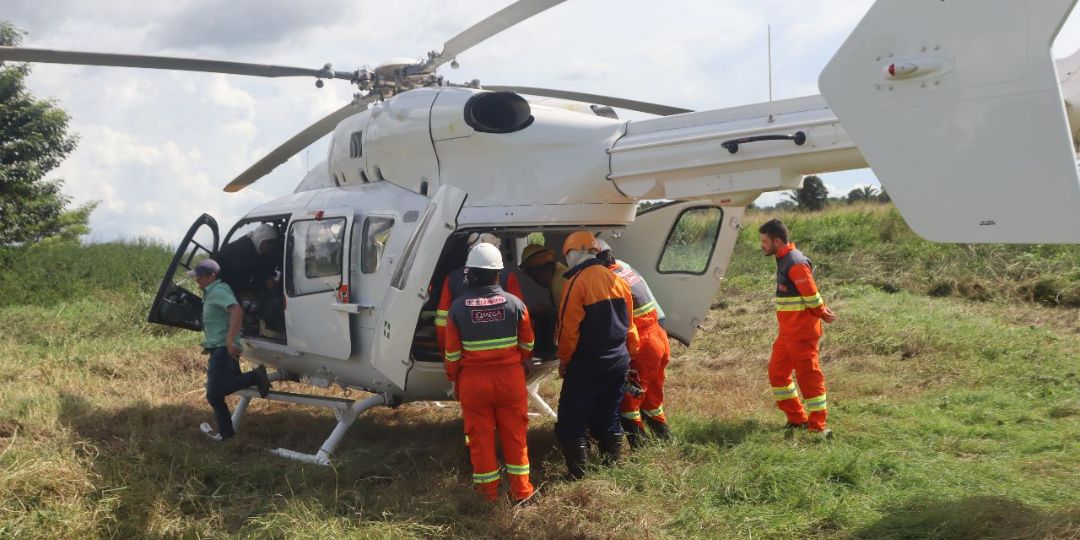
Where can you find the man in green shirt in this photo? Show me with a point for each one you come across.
(222, 318)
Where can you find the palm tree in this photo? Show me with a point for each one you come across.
(862, 194)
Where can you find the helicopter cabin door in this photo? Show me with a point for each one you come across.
(315, 265)
(175, 304)
(409, 285)
(682, 250)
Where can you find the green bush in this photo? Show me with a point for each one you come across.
(48, 274)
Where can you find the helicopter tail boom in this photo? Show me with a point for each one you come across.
(731, 155)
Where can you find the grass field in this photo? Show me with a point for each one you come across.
(953, 384)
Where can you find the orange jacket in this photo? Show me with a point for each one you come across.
(799, 307)
(507, 280)
(486, 327)
(595, 315)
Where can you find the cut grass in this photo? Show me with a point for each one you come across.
(955, 419)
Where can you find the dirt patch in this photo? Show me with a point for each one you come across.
(8, 428)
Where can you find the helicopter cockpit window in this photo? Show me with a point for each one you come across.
(317, 248)
(691, 242)
(376, 235)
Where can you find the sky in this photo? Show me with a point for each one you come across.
(156, 147)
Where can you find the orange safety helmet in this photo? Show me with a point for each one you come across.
(580, 241)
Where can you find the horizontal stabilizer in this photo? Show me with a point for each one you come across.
(957, 108)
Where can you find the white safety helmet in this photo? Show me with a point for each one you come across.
(484, 256)
(263, 233)
(486, 238)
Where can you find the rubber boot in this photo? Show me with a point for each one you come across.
(610, 445)
(576, 451)
(660, 429)
(635, 434)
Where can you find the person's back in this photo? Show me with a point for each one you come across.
(454, 286)
(594, 315)
(239, 262)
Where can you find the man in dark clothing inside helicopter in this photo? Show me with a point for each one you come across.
(250, 266)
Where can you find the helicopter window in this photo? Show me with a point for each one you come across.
(401, 273)
(690, 243)
(376, 235)
(356, 147)
(317, 247)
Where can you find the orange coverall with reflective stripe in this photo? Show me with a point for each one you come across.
(490, 383)
(796, 349)
(653, 354)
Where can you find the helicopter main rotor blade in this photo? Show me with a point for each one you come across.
(298, 142)
(501, 20)
(50, 56)
(633, 105)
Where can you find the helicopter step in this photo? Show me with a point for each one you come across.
(345, 410)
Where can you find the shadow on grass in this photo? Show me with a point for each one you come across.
(982, 517)
(719, 432)
(153, 464)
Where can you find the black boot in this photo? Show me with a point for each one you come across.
(660, 429)
(576, 451)
(611, 448)
(635, 434)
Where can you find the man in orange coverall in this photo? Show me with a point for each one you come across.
(595, 338)
(651, 359)
(799, 310)
(489, 343)
(454, 285)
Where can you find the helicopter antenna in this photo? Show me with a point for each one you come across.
(769, 38)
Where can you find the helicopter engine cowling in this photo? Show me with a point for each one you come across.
(543, 156)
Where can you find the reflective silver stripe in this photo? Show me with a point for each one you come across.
(489, 344)
(816, 403)
(483, 478)
(517, 469)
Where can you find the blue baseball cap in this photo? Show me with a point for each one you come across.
(205, 268)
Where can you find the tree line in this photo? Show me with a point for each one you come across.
(813, 196)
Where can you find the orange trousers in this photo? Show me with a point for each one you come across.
(650, 362)
(494, 399)
(800, 356)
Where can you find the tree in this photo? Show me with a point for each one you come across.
(883, 197)
(34, 140)
(812, 196)
(862, 194)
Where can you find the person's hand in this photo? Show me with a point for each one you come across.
(828, 315)
(452, 392)
(234, 350)
(528, 365)
(562, 370)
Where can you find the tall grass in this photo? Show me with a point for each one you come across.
(49, 274)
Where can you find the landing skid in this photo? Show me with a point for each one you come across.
(345, 410)
(538, 402)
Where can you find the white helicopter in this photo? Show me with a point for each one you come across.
(956, 105)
